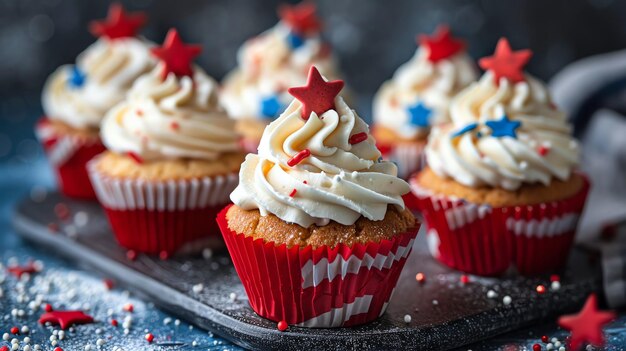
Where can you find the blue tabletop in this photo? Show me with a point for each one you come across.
(24, 172)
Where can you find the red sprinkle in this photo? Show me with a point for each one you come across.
(131, 255)
(299, 157)
(15, 330)
(47, 307)
(420, 277)
(175, 126)
(465, 279)
(541, 289)
(61, 210)
(114, 322)
(555, 278)
(543, 150)
(305, 182)
(109, 283)
(164, 255)
(149, 337)
(135, 157)
(129, 307)
(357, 138)
(544, 339)
(536, 347)
(282, 326)
(293, 193)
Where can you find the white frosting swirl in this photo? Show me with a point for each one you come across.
(505, 162)
(338, 181)
(420, 80)
(178, 117)
(110, 68)
(268, 65)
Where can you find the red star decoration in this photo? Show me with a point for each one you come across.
(441, 45)
(586, 326)
(118, 24)
(18, 271)
(317, 95)
(506, 62)
(176, 55)
(65, 319)
(300, 18)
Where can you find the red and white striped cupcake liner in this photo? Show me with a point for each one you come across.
(483, 240)
(68, 155)
(158, 217)
(323, 287)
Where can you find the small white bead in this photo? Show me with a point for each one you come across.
(549, 346)
(87, 347)
(177, 322)
(589, 347)
(54, 343)
(207, 253)
(26, 348)
(198, 288)
(15, 347)
(435, 302)
(55, 332)
(194, 343)
(25, 329)
(407, 319)
(98, 331)
(27, 340)
(167, 320)
(37, 347)
(53, 337)
(61, 334)
(100, 342)
(554, 340)
(562, 348)
(126, 331)
(15, 341)
(556, 285)
(232, 296)
(507, 300)
(492, 294)
(6, 336)
(557, 344)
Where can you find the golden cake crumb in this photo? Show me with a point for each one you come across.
(527, 194)
(273, 229)
(123, 166)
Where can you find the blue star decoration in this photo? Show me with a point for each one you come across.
(294, 40)
(503, 127)
(77, 77)
(270, 106)
(419, 115)
(466, 129)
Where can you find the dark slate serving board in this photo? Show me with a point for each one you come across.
(445, 313)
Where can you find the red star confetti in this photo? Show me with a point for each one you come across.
(65, 319)
(506, 63)
(118, 24)
(18, 271)
(586, 326)
(176, 55)
(441, 45)
(300, 18)
(317, 95)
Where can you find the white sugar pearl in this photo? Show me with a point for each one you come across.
(198, 288)
(80, 218)
(15, 347)
(492, 294)
(54, 343)
(232, 296)
(87, 347)
(507, 300)
(549, 346)
(26, 348)
(207, 253)
(53, 337)
(61, 334)
(557, 344)
(554, 340)
(562, 348)
(25, 330)
(407, 319)
(27, 340)
(556, 285)
(167, 320)
(194, 343)
(177, 322)
(100, 342)
(6, 336)
(15, 341)
(37, 347)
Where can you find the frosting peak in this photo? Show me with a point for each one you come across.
(503, 134)
(313, 171)
(175, 117)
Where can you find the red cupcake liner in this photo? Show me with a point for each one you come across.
(410, 158)
(483, 240)
(68, 155)
(162, 216)
(320, 287)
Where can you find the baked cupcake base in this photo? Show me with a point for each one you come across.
(68, 150)
(309, 283)
(153, 208)
(532, 229)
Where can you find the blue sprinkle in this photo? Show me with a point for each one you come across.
(77, 77)
(479, 135)
(503, 127)
(467, 128)
(419, 115)
(271, 107)
(295, 41)
(380, 159)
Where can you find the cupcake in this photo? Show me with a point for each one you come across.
(255, 92)
(172, 156)
(318, 232)
(501, 188)
(418, 97)
(76, 97)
